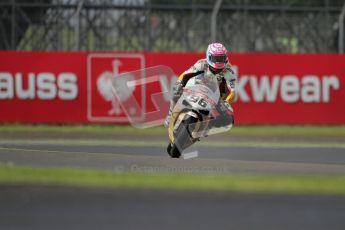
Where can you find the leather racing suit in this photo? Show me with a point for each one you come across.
(226, 80)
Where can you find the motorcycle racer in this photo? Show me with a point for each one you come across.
(216, 65)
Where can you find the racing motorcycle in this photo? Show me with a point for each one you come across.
(192, 113)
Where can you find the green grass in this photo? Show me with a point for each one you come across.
(336, 131)
(300, 130)
(11, 174)
(96, 129)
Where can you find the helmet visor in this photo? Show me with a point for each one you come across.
(218, 58)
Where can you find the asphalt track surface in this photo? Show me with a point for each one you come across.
(258, 160)
(49, 207)
(52, 207)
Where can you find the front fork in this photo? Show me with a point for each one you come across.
(178, 118)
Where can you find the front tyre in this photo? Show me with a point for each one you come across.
(183, 138)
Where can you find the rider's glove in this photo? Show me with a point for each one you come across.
(224, 107)
(226, 118)
(178, 89)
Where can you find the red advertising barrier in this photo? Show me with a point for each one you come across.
(61, 87)
(42, 87)
(291, 89)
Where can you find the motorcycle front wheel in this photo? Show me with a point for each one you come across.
(183, 138)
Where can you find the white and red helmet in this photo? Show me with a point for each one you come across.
(216, 55)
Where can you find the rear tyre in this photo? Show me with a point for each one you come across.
(183, 139)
